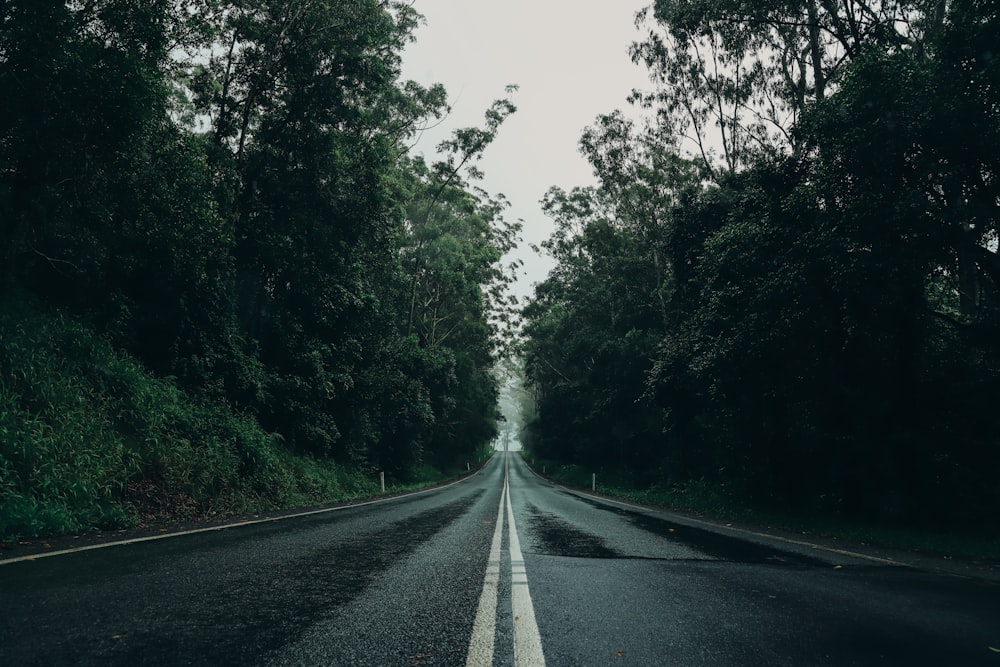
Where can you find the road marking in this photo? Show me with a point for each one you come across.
(484, 629)
(527, 640)
(235, 524)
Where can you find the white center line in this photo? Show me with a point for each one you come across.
(527, 640)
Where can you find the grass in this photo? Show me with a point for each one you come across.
(702, 498)
(427, 475)
(90, 440)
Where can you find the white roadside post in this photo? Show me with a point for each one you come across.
(593, 482)
(381, 479)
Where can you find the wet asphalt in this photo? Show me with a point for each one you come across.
(398, 583)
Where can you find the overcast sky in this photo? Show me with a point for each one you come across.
(571, 62)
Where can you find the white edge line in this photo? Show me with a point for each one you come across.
(734, 529)
(237, 524)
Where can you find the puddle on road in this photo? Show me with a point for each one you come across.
(555, 537)
(337, 574)
(710, 543)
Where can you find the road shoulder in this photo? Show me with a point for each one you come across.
(805, 541)
(59, 544)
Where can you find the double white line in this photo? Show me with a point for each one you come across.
(527, 641)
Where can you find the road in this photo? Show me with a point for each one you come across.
(500, 569)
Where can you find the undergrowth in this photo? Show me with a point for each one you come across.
(89, 439)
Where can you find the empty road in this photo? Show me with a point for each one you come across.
(499, 569)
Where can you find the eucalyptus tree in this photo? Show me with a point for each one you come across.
(593, 325)
(453, 250)
(911, 180)
(456, 306)
(304, 119)
(224, 185)
(733, 76)
(589, 331)
(641, 172)
(458, 163)
(826, 281)
(839, 300)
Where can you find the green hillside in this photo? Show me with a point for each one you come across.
(89, 439)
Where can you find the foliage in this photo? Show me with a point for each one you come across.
(733, 78)
(222, 190)
(90, 439)
(61, 462)
(827, 313)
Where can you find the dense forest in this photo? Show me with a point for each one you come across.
(220, 266)
(227, 284)
(786, 283)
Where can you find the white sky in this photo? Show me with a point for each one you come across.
(571, 62)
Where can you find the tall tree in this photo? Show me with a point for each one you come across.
(306, 123)
(85, 98)
(456, 304)
(733, 77)
(828, 299)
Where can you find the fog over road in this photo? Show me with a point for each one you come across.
(502, 568)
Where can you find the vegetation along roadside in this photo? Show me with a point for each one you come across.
(784, 289)
(225, 283)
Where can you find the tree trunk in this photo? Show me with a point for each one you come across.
(968, 273)
(816, 48)
(9, 233)
(658, 266)
(13, 221)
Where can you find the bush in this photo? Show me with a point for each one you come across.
(89, 439)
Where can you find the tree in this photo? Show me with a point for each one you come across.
(85, 103)
(827, 299)
(223, 187)
(306, 124)
(733, 77)
(456, 301)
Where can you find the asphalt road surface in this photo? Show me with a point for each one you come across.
(500, 569)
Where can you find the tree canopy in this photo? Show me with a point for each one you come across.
(786, 283)
(223, 187)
